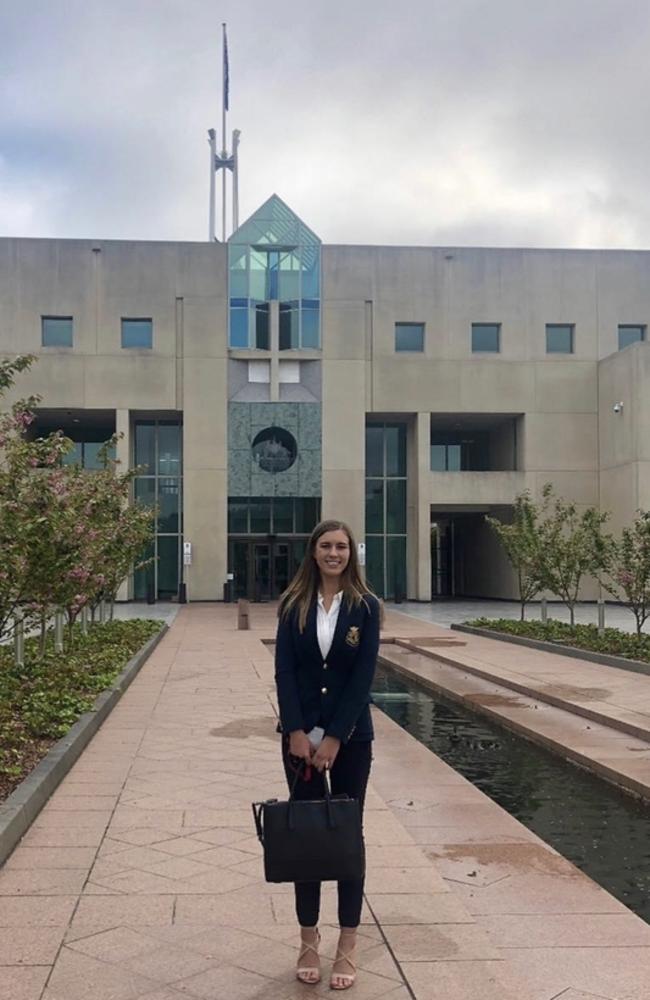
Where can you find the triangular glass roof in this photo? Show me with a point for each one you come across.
(274, 224)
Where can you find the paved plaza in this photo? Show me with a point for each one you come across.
(142, 876)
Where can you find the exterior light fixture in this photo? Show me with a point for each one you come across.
(618, 407)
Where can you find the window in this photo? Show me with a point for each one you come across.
(386, 508)
(274, 257)
(137, 333)
(56, 331)
(409, 337)
(158, 454)
(486, 337)
(559, 338)
(280, 515)
(630, 334)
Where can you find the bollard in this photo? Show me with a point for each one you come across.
(243, 616)
(58, 631)
(84, 620)
(601, 617)
(19, 639)
(544, 609)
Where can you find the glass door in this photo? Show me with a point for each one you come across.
(262, 571)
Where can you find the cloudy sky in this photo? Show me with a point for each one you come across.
(480, 122)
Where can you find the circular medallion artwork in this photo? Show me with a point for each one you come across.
(274, 449)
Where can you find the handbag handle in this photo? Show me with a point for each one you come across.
(328, 801)
(258, 807)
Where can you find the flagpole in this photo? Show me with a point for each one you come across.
(224, 151)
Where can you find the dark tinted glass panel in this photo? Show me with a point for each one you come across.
(375, 564)
(145, 446)
(395, 506)
(307, 514)
(485, 337)
(96, 455)
(396, 451)
(310, 325)
(74, 457)
(167, 566)
(283, 515)
(260, 511)
(298, 548)
(630, 335)
(374, 451)
(453, 458)
(409, 336)
(137, 333)
(238, 517)
(559, 338)
(396, 567)
(145, 492)
(438, 458)
(374, 506)
(169, 449)
(289, 325)
(144, 578)
(168, 503)
(238, 327)
(240, 557)
(56, 331)
(262, 326)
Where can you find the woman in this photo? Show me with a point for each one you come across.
(325, 657)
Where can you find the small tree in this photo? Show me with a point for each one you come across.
(571, 545)
(520, 539)
(627, 568)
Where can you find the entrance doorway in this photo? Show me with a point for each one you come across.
(263, 567)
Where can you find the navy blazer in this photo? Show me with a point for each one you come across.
(332, 693)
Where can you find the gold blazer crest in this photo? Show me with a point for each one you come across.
(352, 637)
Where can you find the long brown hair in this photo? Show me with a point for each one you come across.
(303, 589)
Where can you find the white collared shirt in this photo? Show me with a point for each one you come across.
(326, 622)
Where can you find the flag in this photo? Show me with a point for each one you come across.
(226, 74)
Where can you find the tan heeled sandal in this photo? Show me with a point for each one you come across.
(309, 974)
(348, 978)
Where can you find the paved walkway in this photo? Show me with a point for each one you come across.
(142, 877)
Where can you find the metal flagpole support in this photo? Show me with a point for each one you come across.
(58, 631)
(84, 620)
(223, 161)
(544, 609)
(19, 639)
(601, 616)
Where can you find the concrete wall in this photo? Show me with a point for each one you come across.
(566, 432)
(624, 437)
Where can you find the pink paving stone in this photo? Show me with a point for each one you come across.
(204, 782)
(23, 983)
(29, 945)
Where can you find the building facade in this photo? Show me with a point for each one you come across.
(270, 381)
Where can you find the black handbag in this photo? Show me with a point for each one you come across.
(311, 840)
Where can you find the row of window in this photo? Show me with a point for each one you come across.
(486, 337)
(57, 331)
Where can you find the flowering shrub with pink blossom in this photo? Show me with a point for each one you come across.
(68, 537)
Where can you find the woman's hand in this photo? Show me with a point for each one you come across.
(326, 753)
(299, 745)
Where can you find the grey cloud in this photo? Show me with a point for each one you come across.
(443, 121)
